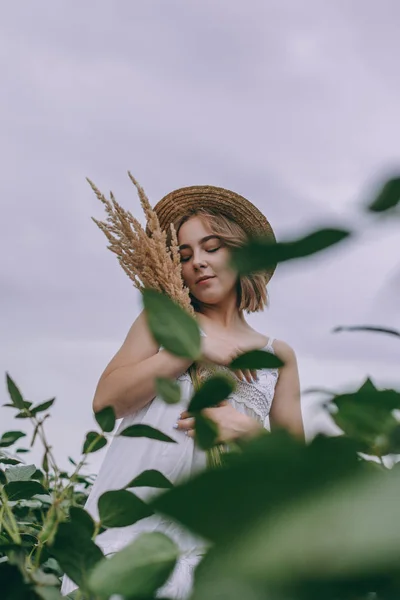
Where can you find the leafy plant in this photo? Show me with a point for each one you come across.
(283, 520)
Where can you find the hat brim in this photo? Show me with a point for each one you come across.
(175, 205)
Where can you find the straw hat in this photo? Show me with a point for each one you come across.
(178, 203)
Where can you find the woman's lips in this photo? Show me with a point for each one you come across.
(204, 281)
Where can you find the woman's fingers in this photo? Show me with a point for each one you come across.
(185, 424)
(254, 374)
(239, 374)
(249, 375)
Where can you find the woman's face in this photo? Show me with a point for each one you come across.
(205, 260)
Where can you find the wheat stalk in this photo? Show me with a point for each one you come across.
(147, 259)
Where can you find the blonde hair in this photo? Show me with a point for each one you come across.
(251, 289)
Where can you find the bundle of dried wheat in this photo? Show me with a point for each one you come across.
(147, 259)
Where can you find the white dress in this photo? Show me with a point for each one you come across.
(128, 457)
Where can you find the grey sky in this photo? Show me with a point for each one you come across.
(294, 105)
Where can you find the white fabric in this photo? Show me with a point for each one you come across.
(128, 457)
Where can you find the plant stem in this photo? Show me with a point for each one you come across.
(11, 526)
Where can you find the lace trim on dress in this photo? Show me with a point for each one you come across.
(256, 396)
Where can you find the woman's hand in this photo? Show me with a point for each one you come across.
(222, 352)
(231, 423)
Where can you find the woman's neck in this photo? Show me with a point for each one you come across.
(225, 316)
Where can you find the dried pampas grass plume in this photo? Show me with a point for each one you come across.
(147, 259)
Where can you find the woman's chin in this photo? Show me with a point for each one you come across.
(209, 298)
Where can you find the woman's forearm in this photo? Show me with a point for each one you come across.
(129, 388)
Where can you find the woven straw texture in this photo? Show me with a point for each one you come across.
(178, 203)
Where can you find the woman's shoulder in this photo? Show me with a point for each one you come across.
(284, 350)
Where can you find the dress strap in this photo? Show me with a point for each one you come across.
(270, 342)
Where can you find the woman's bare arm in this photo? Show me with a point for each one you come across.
(286, 409)
(127, 383)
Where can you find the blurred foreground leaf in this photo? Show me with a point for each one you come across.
(12, 584)
(372, 328)
(257, 359)
(82, 518)
(138, 570)
(367, 416)
(206, 432)
(349, 529)
(75, 552)
(259, 254)
(172, 327)
(213, 391)
(388, 196)
(150, 478)
(106, 418)
(119, 508)
(93, 442)
(271, 472)
(168, 389)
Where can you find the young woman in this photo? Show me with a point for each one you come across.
(209, 221)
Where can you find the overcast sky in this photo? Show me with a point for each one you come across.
(293, 104)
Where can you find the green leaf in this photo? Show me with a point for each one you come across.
(106, 418)
(388, 196)
(20, 473)
(206, 432)
(27, 404)
(366, 416)
(257, 359)
(38, 474)
(94, 441)
(372, 328)
(150, 478)
(42, 407)
(119, 508)
(42, 578)
(362, 539)
(168, 389)
(3, 478)
(261, 254)
(82, 518)
(319, 391)
(271, 472)
(18, 490)
(76, 595)
(12, 582)
(75, 552)
(7, 460)
(393, 443)
(15, 394)
(367, 387)
(10, 437)
(213, 391)
(22, 415)
(141, 430)
(48, 593)
(138, 570)
(171, 326)
(52, 566)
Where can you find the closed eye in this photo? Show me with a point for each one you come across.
(187, 258)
